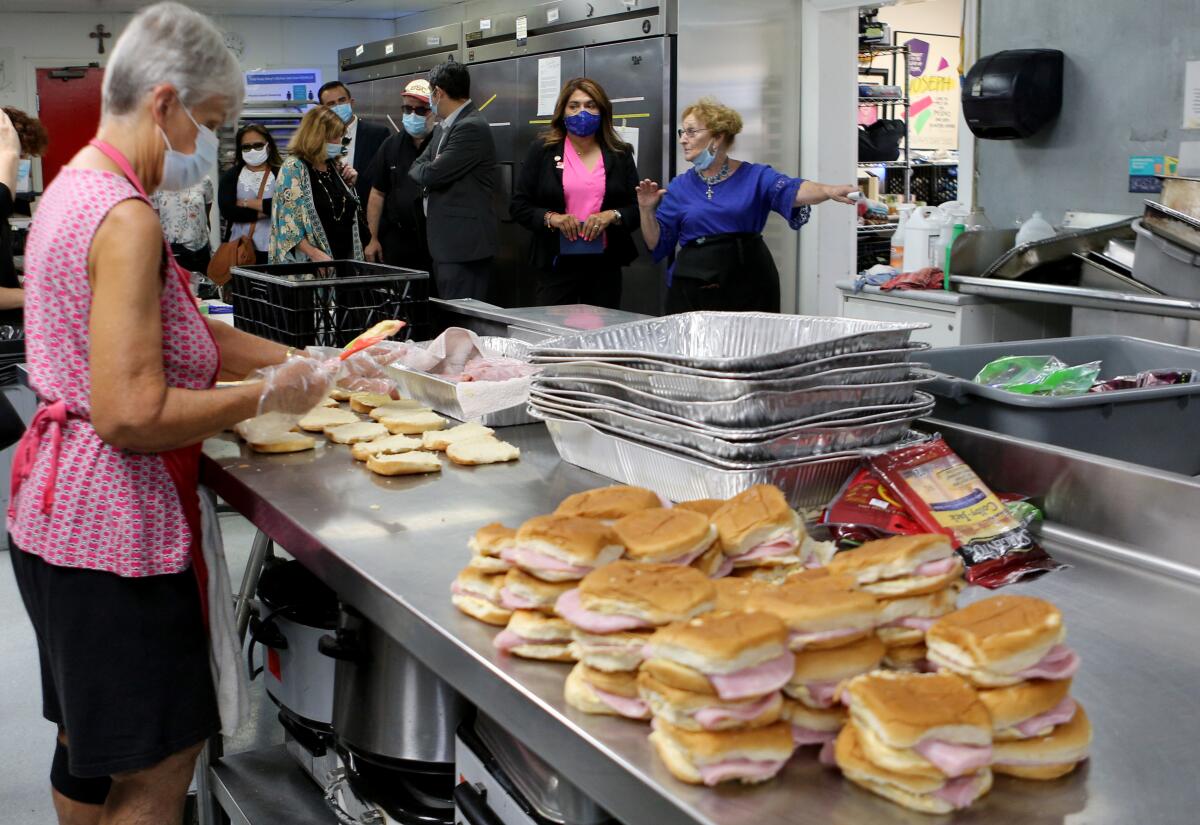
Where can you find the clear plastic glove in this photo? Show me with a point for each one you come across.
(293, 387)
(362, 373)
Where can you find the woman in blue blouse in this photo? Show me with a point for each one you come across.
(716, 213)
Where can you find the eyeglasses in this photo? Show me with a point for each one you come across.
(691, 133)
(255, 146)
(416, 110)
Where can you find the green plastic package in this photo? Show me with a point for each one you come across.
(1038, 375)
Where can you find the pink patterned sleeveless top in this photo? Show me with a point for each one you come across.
(101, 508)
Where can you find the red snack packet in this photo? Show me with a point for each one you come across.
(865, 510)
(944, 495)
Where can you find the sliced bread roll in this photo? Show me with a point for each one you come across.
(364, 402)
(317, 420)
(393, 407)
(441, 439)
(358, 431)
(412, 421)
(284, 442)
(486, 450)
(405, 464)
(384, 445)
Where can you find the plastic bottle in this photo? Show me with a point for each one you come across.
(956, 213)
(897, 256)
(1036, 228)
(923, 227)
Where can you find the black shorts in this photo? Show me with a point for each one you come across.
(125, 663)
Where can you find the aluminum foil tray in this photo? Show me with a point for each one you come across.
(589, 402)
(680, 387)
(755, 409)
(878, 357)
(734, 341)
(796, 444)
(805, 484)
(442, 395)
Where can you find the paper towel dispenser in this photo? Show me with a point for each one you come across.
(1013, 94)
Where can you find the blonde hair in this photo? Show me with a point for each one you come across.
(318, 127)
(719, 119)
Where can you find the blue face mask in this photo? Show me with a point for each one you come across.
(583, 123)
(704, 160)
(182, 171)
(333, 150)
(415, 124)
(343, 111)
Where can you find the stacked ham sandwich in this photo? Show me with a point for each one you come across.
(713, 685)
(916, 579)
(763, 537)
(1011, 648)
(613, 613)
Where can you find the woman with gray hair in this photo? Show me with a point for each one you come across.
(104, 521)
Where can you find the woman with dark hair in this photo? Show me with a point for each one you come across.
(577, 194)
(245, 192)
(21, 138)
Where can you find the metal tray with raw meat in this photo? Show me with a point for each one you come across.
(755, 409)
(442, 395)
(880, 357)
(805, 484)
(678, 387)
(839, 418)
(734, 341)
(802, 442)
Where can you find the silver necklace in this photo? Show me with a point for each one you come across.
(715, 179)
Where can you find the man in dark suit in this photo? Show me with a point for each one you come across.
(365, 138)
(457, 170)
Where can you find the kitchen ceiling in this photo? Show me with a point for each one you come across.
(378, 9)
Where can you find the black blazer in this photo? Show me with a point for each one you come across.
(227, 202)
(539, 189)
(367, 140)
(459, 179)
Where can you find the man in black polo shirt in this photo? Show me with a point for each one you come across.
(395, 212)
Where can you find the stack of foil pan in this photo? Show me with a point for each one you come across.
(721, 401)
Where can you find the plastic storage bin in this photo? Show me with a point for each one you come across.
(1156, 427)
(327, 304)
(1166, 266)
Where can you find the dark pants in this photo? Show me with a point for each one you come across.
(465, 279)
(406, 249)
(733, 274)
(580, 279)
(192, 261)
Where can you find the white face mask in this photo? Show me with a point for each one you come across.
(182, 171)
(254, 156)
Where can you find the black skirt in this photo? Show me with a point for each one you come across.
(724, 273)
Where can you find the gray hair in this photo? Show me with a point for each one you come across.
(170, 43)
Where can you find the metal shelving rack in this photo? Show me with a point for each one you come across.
(873, 237)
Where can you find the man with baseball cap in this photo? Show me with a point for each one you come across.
(395, 212)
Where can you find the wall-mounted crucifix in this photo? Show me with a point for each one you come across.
(100, 35)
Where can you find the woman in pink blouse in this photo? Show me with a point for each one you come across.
(104, 521)
(577, 194)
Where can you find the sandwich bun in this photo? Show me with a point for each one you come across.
(1046, 757)
(776, 574)
(478, 594)
(282, 442)
(1010, 706)
(677, 706)
(720, 642)
(703, 506)
(412, 422)
(384, 445)
(823, 719)
(753, 517)
(441, 439)
(734, 593)
(481, 609)
(490, 539)
(832, 665)
(579, 692)
(685, 752)
(608, 503)
(659, 535)
(657, 593)
(612, 652)
(902, 709)
(994, 639)
(583, 542)
(908, 658)
(712, 561)
(547, 638)
(887, 567)
(364, 402)
(393, 407)
(315, 421)
(910, 791)
(339, 394)
(489, 564)
(528, 587)
(926, 606)
(404, 464)
(356, 432)
(474, 452)
(816, 609)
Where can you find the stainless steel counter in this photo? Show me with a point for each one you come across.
(532, 324)
(391, 547)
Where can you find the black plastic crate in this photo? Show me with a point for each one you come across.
(327, 304)
(12, 353)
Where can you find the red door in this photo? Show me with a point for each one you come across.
(69, 107)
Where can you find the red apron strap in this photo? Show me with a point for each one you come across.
(183, 465)
(49, 417)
